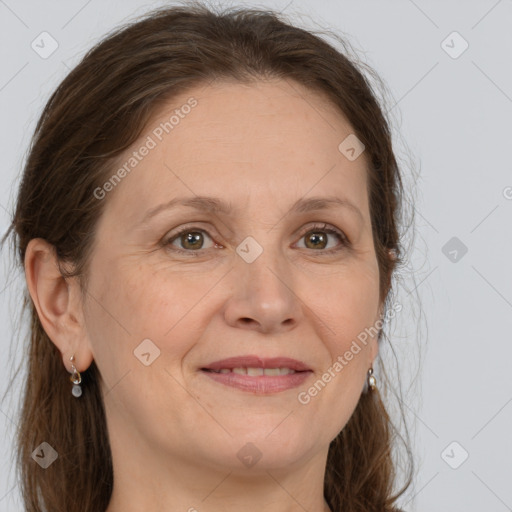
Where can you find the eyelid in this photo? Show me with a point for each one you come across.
(323, 226)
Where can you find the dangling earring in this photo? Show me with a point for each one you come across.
(371, 381)
(76, 379)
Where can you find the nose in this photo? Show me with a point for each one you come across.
(263, 298)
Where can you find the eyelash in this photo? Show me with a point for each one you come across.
(345, 242)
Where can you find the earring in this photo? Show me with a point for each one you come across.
(371, 381)
(76, 379)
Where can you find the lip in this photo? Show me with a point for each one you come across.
(261, 384)
(264, 384)
(251, 361)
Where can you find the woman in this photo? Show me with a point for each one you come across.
(207, 222)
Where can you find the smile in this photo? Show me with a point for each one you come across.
(259, 380)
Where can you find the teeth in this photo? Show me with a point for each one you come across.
(273, 371)
(256, 372)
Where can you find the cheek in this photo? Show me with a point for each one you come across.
(147, 303)
(349, 310)
(168, 308)
(347, 302)
(129, 308)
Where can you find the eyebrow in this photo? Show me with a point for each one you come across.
(215, 205)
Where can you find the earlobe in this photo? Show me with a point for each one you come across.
(56, 302)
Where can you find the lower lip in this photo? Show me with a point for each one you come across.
(261, 384)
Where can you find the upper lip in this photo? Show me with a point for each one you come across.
(258, 362)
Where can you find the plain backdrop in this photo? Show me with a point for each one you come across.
(447, 67)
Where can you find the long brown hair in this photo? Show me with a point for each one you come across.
(97, 112)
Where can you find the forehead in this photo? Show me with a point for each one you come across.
(275, 141)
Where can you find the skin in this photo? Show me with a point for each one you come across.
(174, 432)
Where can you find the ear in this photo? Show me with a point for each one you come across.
(58, 303)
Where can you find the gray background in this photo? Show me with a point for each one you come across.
(451, 116)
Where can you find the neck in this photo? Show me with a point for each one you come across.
(191, 486)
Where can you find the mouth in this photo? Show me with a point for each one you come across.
(258, 375)
(252, 362)
(254, 371)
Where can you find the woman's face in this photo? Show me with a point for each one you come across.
(261, 276)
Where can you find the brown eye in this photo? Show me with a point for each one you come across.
(192, 240)
(316, 240)
(188, 240)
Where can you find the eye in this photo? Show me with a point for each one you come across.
(317, 238)
(191, 239)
